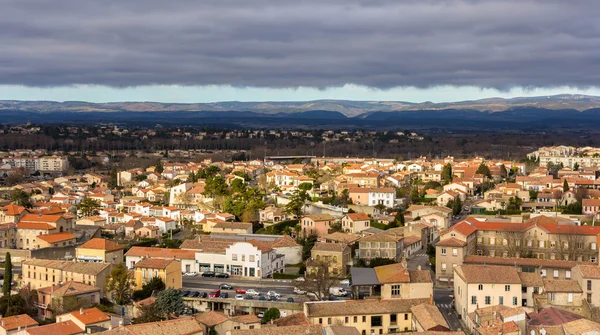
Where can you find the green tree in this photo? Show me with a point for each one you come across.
(379, 261)
(484, 170)
(271, 314)
(533, 194)
(399, 219)
(456, 206)
(8, 275)
(88, 207)
(119, 284)
(155, 285)
(215, 186)
(447, 173)
(566, 186)
(576, 167)
(20, 198)
(148, 313)
(112, 181)
(169, 302)
(238, 186)
(503, 171)
(296, 204)
(305, 186)
(159, 167)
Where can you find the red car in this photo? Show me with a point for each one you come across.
(240, 291)
(214, 294)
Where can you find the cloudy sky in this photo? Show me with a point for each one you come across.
(215, 50)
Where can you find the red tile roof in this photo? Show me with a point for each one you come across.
(90, 316)
(58, 237)
(62, 328)
(16, 321)
(102, 244)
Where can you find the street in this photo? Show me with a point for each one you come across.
(443, 300)
(207, 284)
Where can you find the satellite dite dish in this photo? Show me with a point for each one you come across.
(532, 332)
(543, 331)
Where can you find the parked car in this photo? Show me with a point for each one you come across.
(252, 292)
(239, 297)
(338, 291)
(260, 315)
(248, 297)
(214, 294)
(298, 291)
(190, 274)
(273, 294)
(225, 287)
(222, 275)
(208, 274)
(345, 282)
(224, 295)
(262, 298)
(272, 298)
(195, 295)
(290, 299)
(240, 291)
(203, 295)
(186, 293)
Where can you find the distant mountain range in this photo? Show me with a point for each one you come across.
(532, 112)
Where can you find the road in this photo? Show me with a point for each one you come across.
(204, 284)
(443, 300)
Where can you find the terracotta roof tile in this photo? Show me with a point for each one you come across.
(102, 244)
(180, 326)
(62, 328)
(361, 307)
(247, 318)
(296, 319)
(58, 237)
(16, 321)
(492, 274)
(562, 286)
(211, 318)
(90, 316)
(287, 330)
(161, 253)
(154, 263)
(69, 288)
(429, 316)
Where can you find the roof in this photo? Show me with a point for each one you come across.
(247, 318)
(319, 217)
(88, 268)
(154, 263)
(589, 271)
(491, 274)
(451, 242)
(35, 226)
(160, 253)
(429, 316)
(296, 319)
(363, 276)
(62, 328)
(514, 261)
(358, 216)
(208, 244)
(463, 227)
(69, 288)
(58, 237)
(531, 279)
(566, 286)
(12, 209)
(360, 307)
(102, 244)
(392, 273)
(40, 218)
(232, 225)
(383, 237)
(551, 316)
(285, 241)
(180, 326)
(581, 326)
(211, 318)
(16, 321)
(90, 316)
(288, 330)
(340, 237)
(329, 247)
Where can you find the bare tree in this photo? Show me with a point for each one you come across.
(570, 245)
(512, 243)
(318, 279)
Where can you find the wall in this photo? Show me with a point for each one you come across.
(16, 255)
(53, 253)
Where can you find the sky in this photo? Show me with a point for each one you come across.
(291, 50)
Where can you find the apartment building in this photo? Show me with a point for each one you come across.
(316, 224)
(370, 316)
(39, 273)
(381, 245)
(30, 226)
(355, 222)
(540, 237)
(53, 164)
(373, 196)
(588, 277)
(338, 256)
(485, 285)
(12, 213)
(187, 258)
(394, 281)
(169, 270)
(100, 250)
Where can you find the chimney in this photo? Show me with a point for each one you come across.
(3, 323)
(81, 311)
(419, 267)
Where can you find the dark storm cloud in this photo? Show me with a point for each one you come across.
(288, 43)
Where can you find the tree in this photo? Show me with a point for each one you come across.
(148, 313)
(503, 171)
(271, 314)
(113, 180)
(119, 284)
(576, 167)
(514, 203)
(159, 167)
(533, 194)
(335, 227)
(456, 206)
(88, 207)
(569, 244)
(238, 186)
(399, 219)
(484, 170)
(318, 280)
(447, 173)
(155, 285)
(379, 261)
(20, 198)
(8, 275)
(169, 302)
(305, 186)
(566, 186)
(297, 202)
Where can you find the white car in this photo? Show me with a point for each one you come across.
(273, 294)
(239, 297)
(298, 291)
(190, 274)
(345, 282)
(252, 292)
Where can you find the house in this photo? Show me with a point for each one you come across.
(565, 294)
(62, 328)
(393, 281)
(497, 319)
(179, 326)
(272, 215)
(316, 224)
(12, 325)
(436, 215)
(485, 285)
(229, 227)
(373, 196)
(131, 226)
(381, 245)
(186, 257)
(87, 319)
(286, 330)
(39, 273)
(100, 250)
(355, 222)
(338, 257)
(369, 316)
(52, 298)
(12, 213)
(55, 240)
(591, 207)
(224, 325)
(588, 278)
(92, 221)
(444, 198)
(169, 270)
(428, 317)
(32, 225)
(148, 231)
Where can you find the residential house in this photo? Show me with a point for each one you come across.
(179, 326)
(62, 328)
(428, 317)
(373, 196)
(87, 319)
(187, 258)
(39, 273)
(100, 250)
(148, 232)
(53, 298)
(565, 294)
(316, 224)
(13, 325)
(355, 222)
(337, 256)
(54, 240)
(169, 270)
(381, 245)
(588, 277)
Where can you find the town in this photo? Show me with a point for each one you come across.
(296, 244)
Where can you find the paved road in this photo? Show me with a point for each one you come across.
(420, 258)
(199, 283)
(443, 300)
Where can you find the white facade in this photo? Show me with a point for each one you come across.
(241, 259)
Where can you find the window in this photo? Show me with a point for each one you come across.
(555, 273)
(364, 318)
(454, 252)
(515, 301)
(568, 274)
(506, 288)
(443, 266)
(480, 287)
(405, 316)
(355, 319)
(543, 273)
(501, 300)
(473, 300)
(320, 321)
(443, 251)
(251, 258)
(570, 297)
(346, 320)
(589, 285)
(488, 300)
(393, 319)
(541, 244)
(593, 259)
(580, 245)
(593, 245)
(328, 321)
(552, 296)
(376, 321)
(396, 290)
(243, 258)
(234, 257)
